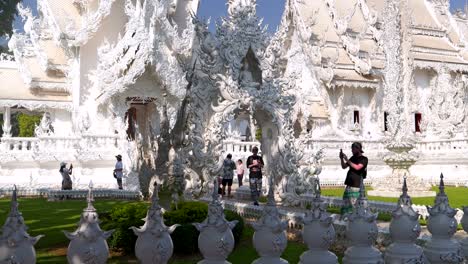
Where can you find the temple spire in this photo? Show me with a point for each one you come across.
(90, 198)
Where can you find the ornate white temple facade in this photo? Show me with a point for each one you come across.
(149, 81)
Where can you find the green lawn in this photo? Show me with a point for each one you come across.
(458, 196)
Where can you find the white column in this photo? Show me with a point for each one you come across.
(6, 122)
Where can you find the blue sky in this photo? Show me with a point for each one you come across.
(270, 10)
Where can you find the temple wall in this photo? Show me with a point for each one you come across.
(61, 121)
(111, 27)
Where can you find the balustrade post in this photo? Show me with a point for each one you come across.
(404, 230)
(270, 238)
(318, 234)
(15, 243)
(216, 240)
(442, 225)
(88, 236)
(154, 243)
(362, 231)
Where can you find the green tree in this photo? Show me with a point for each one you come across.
(27, 123)
(8, 12)
(258, 134)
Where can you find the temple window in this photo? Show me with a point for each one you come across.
(385, 116)
(417, 122)
(356, 117)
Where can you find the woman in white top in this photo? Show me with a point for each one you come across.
(240, 172)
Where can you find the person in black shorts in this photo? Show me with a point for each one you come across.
(228, 174)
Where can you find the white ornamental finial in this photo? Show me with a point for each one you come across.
(271, 194)
(16, 245)
(441, 184)
(154, 232)
(362, 221)
(155, 197)
(216, 240)
(404, 230)
(90, 198)
(215, 194)
(14, 203)
(442, 225)
(318, 232)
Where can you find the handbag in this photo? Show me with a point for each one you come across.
(115, 174)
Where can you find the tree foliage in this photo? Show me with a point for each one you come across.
(27, 124)
(8, 12)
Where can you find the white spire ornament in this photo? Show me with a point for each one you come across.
(318, 233)
(154, 243)
(16, 246)
(216, 240)
(88, 243)
(362, 231)
(404, 230)
(442, 225)
(269, 238)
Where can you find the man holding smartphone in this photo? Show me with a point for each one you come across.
(357, 170)
(255, 165)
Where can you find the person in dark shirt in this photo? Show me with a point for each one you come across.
(255, 164)
(357, 169)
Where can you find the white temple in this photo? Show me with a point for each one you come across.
(148, 80)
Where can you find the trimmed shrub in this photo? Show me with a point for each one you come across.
(239, 228)
(121, 218)
(185, 237)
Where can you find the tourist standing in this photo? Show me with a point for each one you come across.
(118, 171)
(255, 164)
(357, 171)
(228, 173)
(240, 172)
(66, 172)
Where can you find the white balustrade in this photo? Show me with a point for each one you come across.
(235, 146)
(58, 144)
(18, 144)
(100, 141)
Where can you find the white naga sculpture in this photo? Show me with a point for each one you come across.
(45, 126)
(16, 246)
(88, 243)
(216, 240)
(154, 243)
(270, 238)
